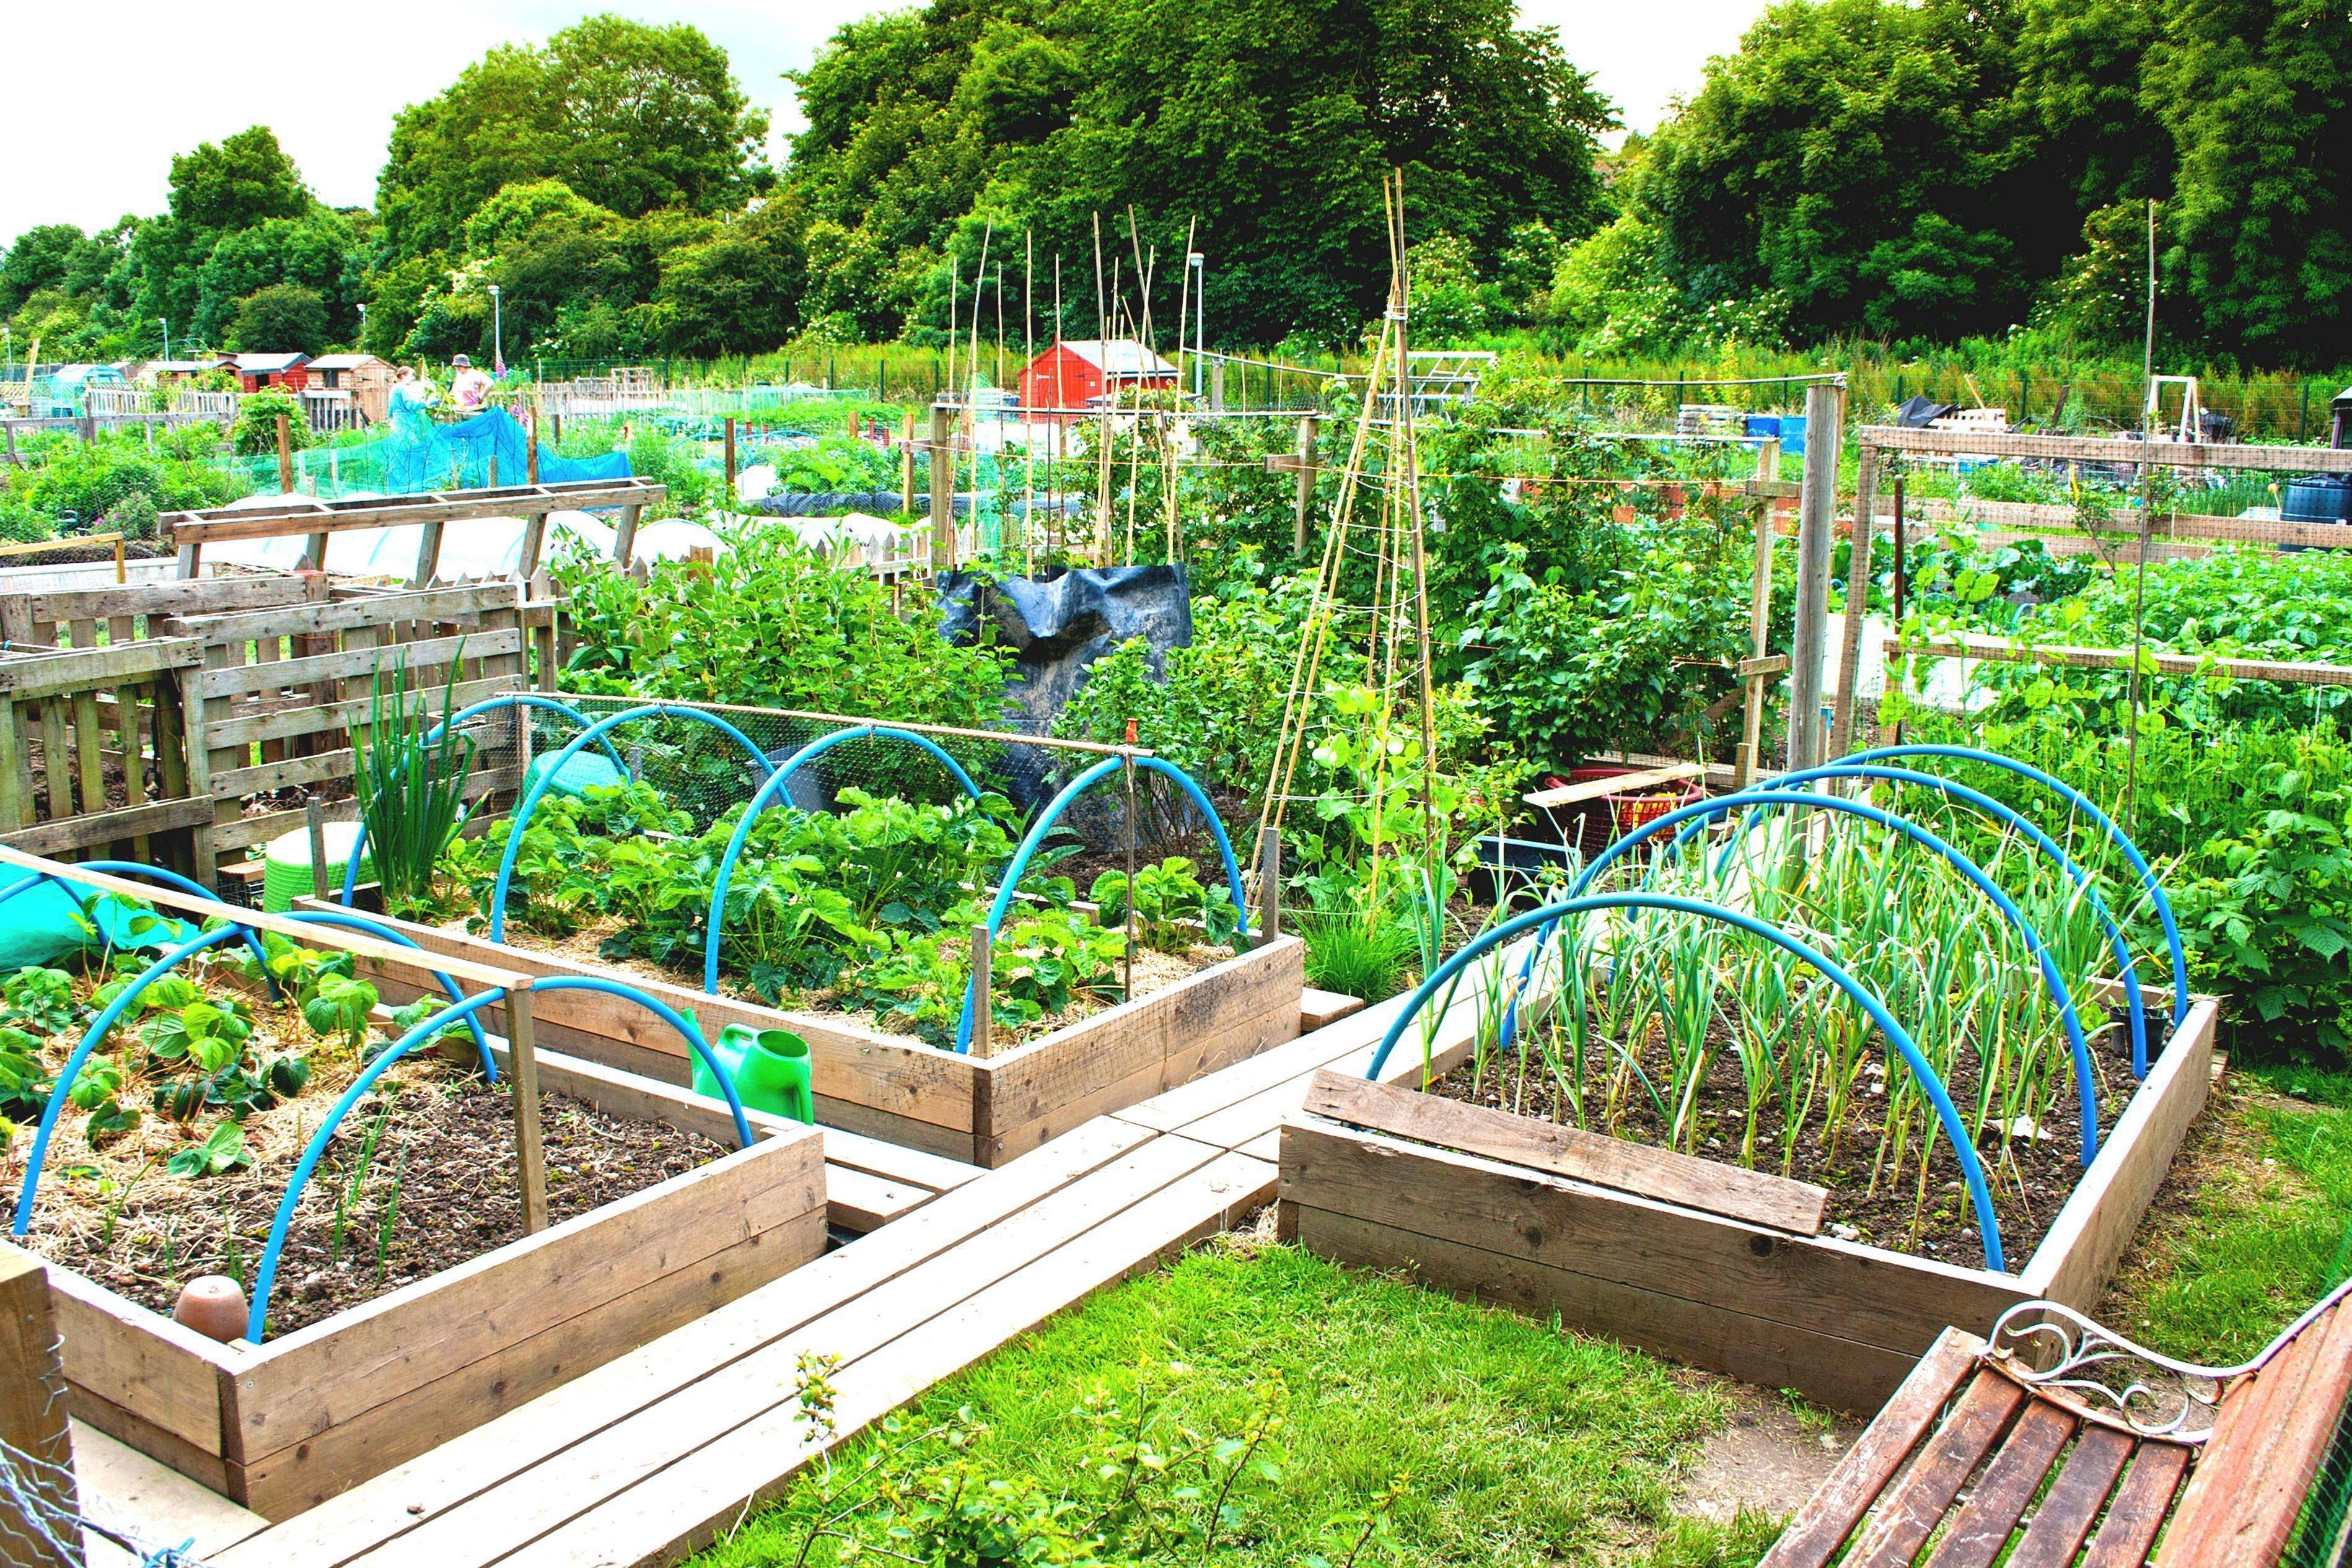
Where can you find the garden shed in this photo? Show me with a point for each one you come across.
(257, 371)
(1072, 373)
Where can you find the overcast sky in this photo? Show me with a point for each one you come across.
(86, 145)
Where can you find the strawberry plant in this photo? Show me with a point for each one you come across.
(223, 1150)
(1173, 910)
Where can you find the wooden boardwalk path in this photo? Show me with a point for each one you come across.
(661, 1451)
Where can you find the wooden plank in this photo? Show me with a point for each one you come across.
(153, 600)
(1670, 1254)
(80, 669)
(901, 1077)
(1982, 1528)
(2089, 449)
(142, 1361)
(685, 1505)
(1910, 1510)
(1616, 784)
(2128, 1532)
(1816, 1531)
(325, 1374)
(428, 1415)
(443, 604)
(304, 516)
(61, 834)
(431, 653)
(2078, 1255)
(2063, 1521)
(1134, 1051)
(472, 1465)
(1757, 1198)
(131, 1494)
(33, 1414)
(1843, 1373)
(2272, 1433)
(2062, 655)
(1319, 1009)
(209, 1471)
(401, 958)
(310, 718)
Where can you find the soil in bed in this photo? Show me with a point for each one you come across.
(2031, 1175)
(415, 1181)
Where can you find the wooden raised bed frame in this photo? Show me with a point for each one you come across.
(1675, 1265)
(284, 1426)
(983, 1111)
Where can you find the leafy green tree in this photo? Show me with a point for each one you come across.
(738, 292)
(245, 181)
(37, 260)
(631, 117)
(284, 318)
(2256, 91)
(1271, 124)
(312, 253)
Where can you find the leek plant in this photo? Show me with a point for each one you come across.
(411, 784)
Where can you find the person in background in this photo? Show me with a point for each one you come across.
(471, 388)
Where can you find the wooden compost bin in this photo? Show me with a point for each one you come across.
(269, 673)
(983, 1111)
(1683, 1256)
(288, 1423)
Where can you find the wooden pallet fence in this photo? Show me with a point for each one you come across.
(282, 1426)
(1685, 1257)
(981, 1111)
(92, 755)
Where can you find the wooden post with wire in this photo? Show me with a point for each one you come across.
(730, 457)
(1857, 602)
(33, 1418)
(1269, 884)
(906, 463)
(1816, 542)
(983, 1020)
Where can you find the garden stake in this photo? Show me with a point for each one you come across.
(522, 1060)
(982, 1016)
(1126, 780)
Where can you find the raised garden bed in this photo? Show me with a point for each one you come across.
(985, 1111)
(1723, 1268)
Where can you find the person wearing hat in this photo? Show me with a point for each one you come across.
(471, 388)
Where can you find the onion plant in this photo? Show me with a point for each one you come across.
(411, 783)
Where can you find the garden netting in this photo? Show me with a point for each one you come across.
(416, 455)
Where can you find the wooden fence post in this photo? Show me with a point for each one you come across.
(906, 463)
(1816, 543)
(33, 1414)
(984, 1021)
(522, 1074)
(1305, 502)
(729, 487)
(1759, 617)
(1857, 600)
(624, 537)
(943, 537)
(1269, 883)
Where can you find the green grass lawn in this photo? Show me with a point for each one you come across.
(2255, 1226)
(1496, 1440)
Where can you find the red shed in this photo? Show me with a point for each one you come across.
(254, 372)
(1072, 373)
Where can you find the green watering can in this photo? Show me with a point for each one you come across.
(771, 1069)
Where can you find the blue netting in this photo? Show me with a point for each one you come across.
(422, 455)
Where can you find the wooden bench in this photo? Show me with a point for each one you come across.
(2057, 1442)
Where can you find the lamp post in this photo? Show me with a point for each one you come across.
(497, 335)
(160, 321)
(1201, 309)
(362, 328)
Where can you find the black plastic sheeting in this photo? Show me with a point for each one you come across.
(1057, 627)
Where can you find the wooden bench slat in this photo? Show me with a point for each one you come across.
(2138, 1512)
(1818, 1529)
(1909, 1512)
(1988, 1519)
(2063, 1520)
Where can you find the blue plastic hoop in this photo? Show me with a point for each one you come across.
(1987, 1227)
(767, 792)
(596, 731)
(266, 1273)
(1010, 882)
(504, 699)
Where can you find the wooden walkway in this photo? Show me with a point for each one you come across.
(656, 1454)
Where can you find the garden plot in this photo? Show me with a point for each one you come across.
(1707, 1148)
(853, 929)
(412, 1300)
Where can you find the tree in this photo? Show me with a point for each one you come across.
(311, 252)
(1270, 123)
(630, 117)
(1865, 158)
(243, 182)
(2255, 91)
(738, 292)
(284, 318)
(37, 260)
